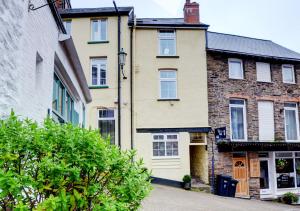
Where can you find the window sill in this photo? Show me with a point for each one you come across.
(166, 158)
(168, 99)
(98, 87)
(97, 42)
(172, 57)
(265, 82)
(289, 83)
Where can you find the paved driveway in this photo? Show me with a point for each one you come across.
(165, 198)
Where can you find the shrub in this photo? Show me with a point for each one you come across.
(289, 198)
(187, 179)
(63, 167)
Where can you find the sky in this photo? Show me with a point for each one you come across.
(276, 20)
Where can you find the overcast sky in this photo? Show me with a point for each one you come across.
(276, 20)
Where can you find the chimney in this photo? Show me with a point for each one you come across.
(63, 4)
(191, 12)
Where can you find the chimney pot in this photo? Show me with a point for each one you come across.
(191, 12)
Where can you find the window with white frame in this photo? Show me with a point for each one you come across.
(165, 145)
(168, 84)
(167, 43)
(291, 122)
(99, 30)
(236, 69)
(238, 120)
(98, 72)
(106, 124)
(263, 72)
(68, 26)
(288, 74)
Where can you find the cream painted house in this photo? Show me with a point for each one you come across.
(163, 85)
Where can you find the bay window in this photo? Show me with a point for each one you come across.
(238, 120)
(165, 145)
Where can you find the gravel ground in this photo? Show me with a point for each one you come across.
(165, 198)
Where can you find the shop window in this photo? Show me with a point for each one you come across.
(285, 173)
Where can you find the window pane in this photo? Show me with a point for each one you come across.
(235, 70)
(167, 33)
(237, 102)
(288, 74)
(60, 99)
(263, 72)
(95, 30)
(94, 74)
(106, 113)
(264, 175)
(103, 30)
(298, 171)
(285, 173)
(168, 89)
(167, 46)
(103, 75)
(291, 125)
(167, 74)
(107, 129)
(237, 123)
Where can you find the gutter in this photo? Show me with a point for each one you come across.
(131, 87)
(68, 44)
(119, 74)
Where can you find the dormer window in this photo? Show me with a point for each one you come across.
(167, 43)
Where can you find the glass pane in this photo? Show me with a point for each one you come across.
(168, 89)
(167, 33)
(168, 74)
(94, 74)
(167, 47)
(291, 125)
(237, 102)
(107, 129)
(106, 113)
(170, 137)
(298, 171)
(95, 30)
(237, 123)
(103, 30)
(264, 175)
(103, 75)
(60, 99)
(235, 69)
(288, 74)
(285, 173)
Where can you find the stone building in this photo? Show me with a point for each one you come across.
(253, 91)
(40, 70)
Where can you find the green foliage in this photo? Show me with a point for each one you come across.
(63, 167)
(187, 179)
(289, 198)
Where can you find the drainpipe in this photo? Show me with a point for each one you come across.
(131, 87)
(119, 75)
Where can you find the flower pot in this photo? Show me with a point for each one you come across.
(187, 186)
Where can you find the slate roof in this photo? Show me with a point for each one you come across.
(91, 12)
(249, 46)
(165, 22)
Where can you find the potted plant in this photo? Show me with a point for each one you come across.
(280, 164)
(187, 182)
(289, 198)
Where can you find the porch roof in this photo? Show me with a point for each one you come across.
(229, 146)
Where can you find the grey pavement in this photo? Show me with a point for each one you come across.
(164, 198)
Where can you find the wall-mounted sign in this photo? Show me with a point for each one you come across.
(254, 167)
(220, 133)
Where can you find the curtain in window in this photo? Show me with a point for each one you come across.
(236, 69)
(167, 47)
(291, 126)
(237, 123)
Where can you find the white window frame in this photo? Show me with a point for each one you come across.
(65, 22)
(99, 62)
(297, 121)
(172, 37)
(242, 68)
(99, 39)
(244, 117)
(168, 80)
(165, 140)
(283, 78)
(108, 118)
(269, 73)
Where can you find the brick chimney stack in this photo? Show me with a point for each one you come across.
(191, 12)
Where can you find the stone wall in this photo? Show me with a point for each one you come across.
(221, 89)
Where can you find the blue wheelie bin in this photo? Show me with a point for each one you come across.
(223, 183)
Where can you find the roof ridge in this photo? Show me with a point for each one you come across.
(240, 36)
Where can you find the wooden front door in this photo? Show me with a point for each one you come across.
(240, 173)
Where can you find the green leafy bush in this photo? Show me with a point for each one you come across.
(289, 198)
(62, 167)
(187, 179)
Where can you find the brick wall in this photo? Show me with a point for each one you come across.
(221, 89)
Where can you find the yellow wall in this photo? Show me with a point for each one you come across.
(199, 162)
(106, 97)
